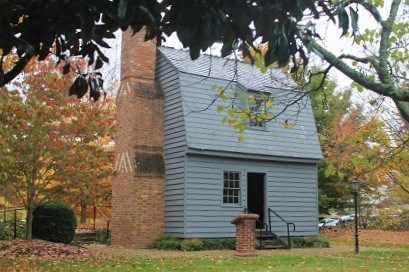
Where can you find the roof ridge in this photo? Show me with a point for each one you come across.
(210, 55)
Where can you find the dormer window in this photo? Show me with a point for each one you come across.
(257, 110)
(259, 103)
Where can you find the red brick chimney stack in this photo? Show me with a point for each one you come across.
(138, 185)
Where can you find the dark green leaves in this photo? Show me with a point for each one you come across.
(94, 89)
(82, 27)
(79, 87)
(354, 20)
(343, 19)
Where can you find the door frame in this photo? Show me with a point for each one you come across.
(264, 191)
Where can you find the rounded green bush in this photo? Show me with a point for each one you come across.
(54, 222)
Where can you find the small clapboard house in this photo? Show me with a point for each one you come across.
(210, 175)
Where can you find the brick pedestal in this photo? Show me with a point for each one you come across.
(245, 234)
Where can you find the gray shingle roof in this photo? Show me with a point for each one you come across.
(204, 128)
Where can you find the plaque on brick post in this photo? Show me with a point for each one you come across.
(245, 234)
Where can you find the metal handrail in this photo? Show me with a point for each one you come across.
(17, 208)
(282, 219)
(97, 209)
(263, 226)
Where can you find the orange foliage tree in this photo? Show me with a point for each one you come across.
(51, 146)
(357, 147)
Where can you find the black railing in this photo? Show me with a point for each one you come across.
(97, 209)
(263, 226)
(282, 219)
(14, 211)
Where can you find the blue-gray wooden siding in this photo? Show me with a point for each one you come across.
(291, 191)
(193, 191)
(174, 147)
(205, 130)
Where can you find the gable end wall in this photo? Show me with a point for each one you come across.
(174, 148)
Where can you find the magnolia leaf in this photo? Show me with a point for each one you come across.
(343, 19)
(354, 20)
(79, 87)
(66, 68)
(94, 89)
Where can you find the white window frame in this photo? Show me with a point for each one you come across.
(259, 106)
(231, 189)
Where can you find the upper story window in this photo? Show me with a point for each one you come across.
(231, 187)
(259, 104)
(257, 110)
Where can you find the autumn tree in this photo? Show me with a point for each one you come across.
(327, 104)
(88, 139)
(35, 117)
(358, 148)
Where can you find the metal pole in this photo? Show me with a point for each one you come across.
(95, 214)
(288, 236)
(356, 222)
(15, 224)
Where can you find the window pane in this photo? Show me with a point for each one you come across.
(231, 187)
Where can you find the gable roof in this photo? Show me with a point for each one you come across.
(204, 128)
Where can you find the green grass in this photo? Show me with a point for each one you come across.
(370, 259)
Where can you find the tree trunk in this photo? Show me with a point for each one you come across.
(29, 223)
(83, 211)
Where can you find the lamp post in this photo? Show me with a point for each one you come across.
(355, 187)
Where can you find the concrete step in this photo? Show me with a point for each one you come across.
(85, 236)
(265, 235)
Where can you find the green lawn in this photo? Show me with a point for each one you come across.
(382, 258)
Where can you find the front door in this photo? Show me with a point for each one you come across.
(256, 195)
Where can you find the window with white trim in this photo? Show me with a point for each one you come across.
(257, 109)
(259, 104)
(231, 187)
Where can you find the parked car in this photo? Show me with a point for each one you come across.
(347, 218)
(328, 222)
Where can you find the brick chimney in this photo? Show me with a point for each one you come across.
(138, 185)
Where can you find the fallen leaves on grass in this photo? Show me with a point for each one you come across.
(368, 236)
(41, 248)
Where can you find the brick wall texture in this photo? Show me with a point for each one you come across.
(137, 197)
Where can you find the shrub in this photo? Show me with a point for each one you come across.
(54, 222)
(301, 242)
(211, 244)
(167, 242)
(192, 245)
(102, 237)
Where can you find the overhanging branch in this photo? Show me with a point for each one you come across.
(388, 90)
